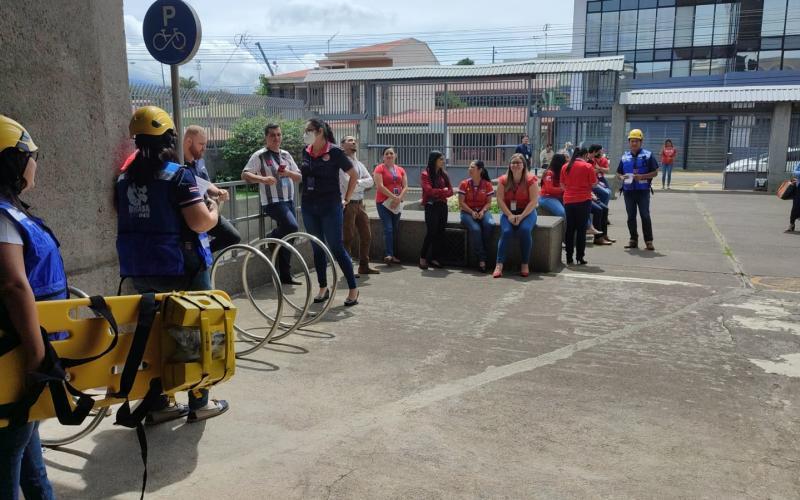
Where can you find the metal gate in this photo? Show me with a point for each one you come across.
(708, 144)
(749, 144)
(656, 132)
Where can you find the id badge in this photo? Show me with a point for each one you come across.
(310, 184)
(513, 205)
(396, 191)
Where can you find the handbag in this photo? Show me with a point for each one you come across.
(786, 190)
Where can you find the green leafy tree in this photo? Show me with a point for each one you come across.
(263, 85)
(465, 62)
(189, 83)
(247, 136)
(452, 100)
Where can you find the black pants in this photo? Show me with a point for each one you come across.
(435, 223)
(223, 235)
(639, 199)
(795, 206)
(600, 218)
(577, 214)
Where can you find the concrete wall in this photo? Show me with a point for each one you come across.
(65, 78)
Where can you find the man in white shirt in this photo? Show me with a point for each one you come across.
(355, 217)
(275, 172)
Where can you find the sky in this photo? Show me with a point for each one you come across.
(296, 33)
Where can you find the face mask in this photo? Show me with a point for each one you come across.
(308, 138)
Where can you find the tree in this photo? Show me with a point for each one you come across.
(465, 62)
(189, 83)
(247, 136)
(452, 100)
(263, 85)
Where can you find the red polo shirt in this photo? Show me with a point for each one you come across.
(476, 197)
(521, 194)
(578, 182)
(550, 188)
(392, 182)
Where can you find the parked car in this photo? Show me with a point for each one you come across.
(760, 164)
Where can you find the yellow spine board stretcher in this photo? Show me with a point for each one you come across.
(211, 312)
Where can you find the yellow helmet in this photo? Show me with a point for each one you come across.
(14, 135)
(150, 120)
(635, 134)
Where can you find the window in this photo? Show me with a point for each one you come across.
(593, 32)
(773, 18)
(608, 35)
(793, 19)
(646, 32)
(644, 55)
(355, 98)
(666, 3)
(663, 54)
(791, 42)
(700, 67)
(703, 25)
(684, 23)
(316, 95)
(594, 7)
(774, 43)
(769, 60)
(746, 61)
(629, 4)
(680, 68)
(661, 70)
(627, 30)
(610, 5)
(723, 17)
(648, 4)
(791, 60)
(665, 25)
(644, 70)
(718, 66)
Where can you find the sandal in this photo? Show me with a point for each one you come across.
(220, 407)
(171, 412)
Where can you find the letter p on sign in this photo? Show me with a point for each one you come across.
(168, 12)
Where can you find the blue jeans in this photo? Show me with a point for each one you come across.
(325, 220)
(553, 206)
(525, 233)
(480, 233)
(391, 224)
(603, 193)
(22, 465)
(282, 212)
(639, 199)
(666, 174)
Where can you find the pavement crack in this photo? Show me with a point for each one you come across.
(338, 479)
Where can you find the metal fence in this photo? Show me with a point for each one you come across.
(794, 142)
(217, 111)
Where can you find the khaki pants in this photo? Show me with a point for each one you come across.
(356, 218)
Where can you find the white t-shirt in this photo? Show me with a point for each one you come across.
(9, 232)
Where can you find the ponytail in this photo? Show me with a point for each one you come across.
(577, 154)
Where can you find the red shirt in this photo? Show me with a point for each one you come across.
(521, 194)
(440, 192)
(601, 162)
(393, 181)
(476, 197)
(127, 162)
(578, 182)
(668, 155)
(550, 188)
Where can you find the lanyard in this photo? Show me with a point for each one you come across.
(475, 191)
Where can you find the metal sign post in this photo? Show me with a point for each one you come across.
(172, 34)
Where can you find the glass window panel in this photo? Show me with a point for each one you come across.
(793, 19)
(701, 53)
(608, 34)
(630, 55)
(593, 32)
(722, 24)
(773, 17)
(769, 60)
(791, 42)
(661, 69)
(648, 4)
(646, 32)
(700, 67)
(719, 66)
(746, 61)
(644, 55)
(627, 30)
(610, 5)
(665, 25)
(594, 7)
(629, 4)
(666, 3)
(703, 25)
(684, 22)
(683, 53)
(773, 43)
(791, 60)
(644, 71)
(680, 68)
(663, 54)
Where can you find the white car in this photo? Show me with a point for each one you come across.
(760, 163)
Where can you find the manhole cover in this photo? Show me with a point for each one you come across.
(776, 283)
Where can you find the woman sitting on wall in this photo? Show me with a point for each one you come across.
(475, 200)
(517, 197)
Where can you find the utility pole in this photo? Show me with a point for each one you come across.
(163, 80)
(198, 72)
(269, 66)
(493, 53)
(329, 41)
(546, 28)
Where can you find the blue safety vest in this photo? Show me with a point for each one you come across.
(43, 264)
(150, 231)
(631, 165)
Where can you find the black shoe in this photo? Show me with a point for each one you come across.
(323, 298)
(582, 262)
(290, 281)
(570, 261)
(352, 302)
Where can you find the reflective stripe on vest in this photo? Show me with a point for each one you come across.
(43, 264)
(629, 164)
(149, 224)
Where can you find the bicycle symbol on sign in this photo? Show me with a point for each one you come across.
(162, 40)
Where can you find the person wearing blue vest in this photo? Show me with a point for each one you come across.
(161, 232)
(31, 269)
(636, 170)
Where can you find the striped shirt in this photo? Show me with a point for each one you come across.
(265, 163)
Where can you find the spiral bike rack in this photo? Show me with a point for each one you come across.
(288, 328)
(94, 421)
(256, 341)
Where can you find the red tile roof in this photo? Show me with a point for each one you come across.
(294, 74)
(459, 116)
(380, 47)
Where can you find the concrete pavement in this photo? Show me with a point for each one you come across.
(668, 374)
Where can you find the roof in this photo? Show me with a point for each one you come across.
(457, 116)
(700, 95)
(612, 63)
(292, 74)
(371, 49)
